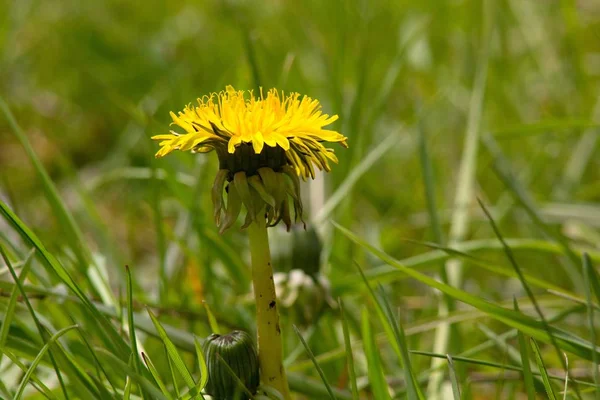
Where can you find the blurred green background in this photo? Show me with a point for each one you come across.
(90, 81)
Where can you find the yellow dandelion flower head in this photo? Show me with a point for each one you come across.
(234, 121)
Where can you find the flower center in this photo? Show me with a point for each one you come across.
(245, 159)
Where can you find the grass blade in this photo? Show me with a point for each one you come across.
(543, 371)
(396, 336)
(524, 349)
(316, 364)
(414, 391)
(376, 376)
(41, 330)
(515, 265)
(12, 302)
(386, 273)
(212, 321)
(591, 283)
(349, 355)
(453, 380)
(127, 390)
(156, 376)
(486, 363)
(118, 365)
(38, 359)
(565, 391)
(567, 341)
(478, 262)
(172, 353)
(132, 336)
(202, 366)
(109, 335)
(37, 383)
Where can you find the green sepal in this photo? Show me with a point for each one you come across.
(295, 181)
(241, 183)
(293, 189)
(269, 180)
(234, 206)
(256, 183)
(285, 214)
(217, 194)
(248, 220)
(280, 200)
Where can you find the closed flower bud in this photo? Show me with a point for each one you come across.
(237, 350)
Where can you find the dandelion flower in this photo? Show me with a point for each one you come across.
(264, 145)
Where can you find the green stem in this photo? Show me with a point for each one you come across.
(270, 349)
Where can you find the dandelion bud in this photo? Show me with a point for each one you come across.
(226, 355)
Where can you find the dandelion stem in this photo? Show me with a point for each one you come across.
(270, 349)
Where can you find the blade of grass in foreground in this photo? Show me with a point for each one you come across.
(212, 321)
(137, 363)
(118, 365)
(395, 332)
(566, 340)
(513, 262)
(156, 376)
(543, 371)
(131, 324)
(317, 367)
(375, 370)
(172, 372)
(107, 332)
(12, 302)
(455, 387)
(39, 357)
(478, 262)
(127, 390)
(349, 355)
(41, 387)
(386, 273)
(201, 365)
(172, 353)
(396, 335)
(591, 281)
(504, 367)
(100, 370)
(524, 349)
(41, 330)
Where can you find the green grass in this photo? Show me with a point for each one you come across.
(113, 271)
